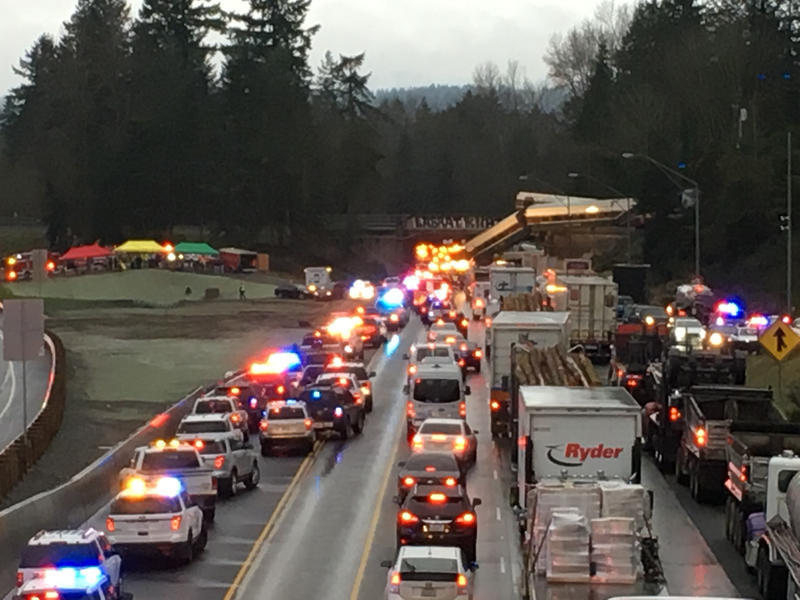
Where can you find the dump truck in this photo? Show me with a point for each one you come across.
(710, 414)
(509, 328)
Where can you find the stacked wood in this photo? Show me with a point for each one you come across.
(523, 302)
(551, 366)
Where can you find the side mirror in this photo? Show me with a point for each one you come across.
(405, 356)
(476, 502)
(387, 564)
(467, 391)
(372, 374)
(401, 464)
(473, 566)
(405, 389)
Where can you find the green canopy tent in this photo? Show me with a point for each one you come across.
(197, 248)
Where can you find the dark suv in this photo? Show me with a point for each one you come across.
(334, 408)
(437, 515)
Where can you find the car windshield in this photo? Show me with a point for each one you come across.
(212, 447)
(57, 555)
(311, 373)
(285, 412)
(445, 428)
(440, 461)
(169, 459)
(428, 568)
(359, 372)
(423, 353)
(146, 505)
(203, 427)
(437, 390)
(205, 407)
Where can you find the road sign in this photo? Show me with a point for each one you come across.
(779, 339)
(23, 329)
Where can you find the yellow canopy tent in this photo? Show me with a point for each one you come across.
(140, 247)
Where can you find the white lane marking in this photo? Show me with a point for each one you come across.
(495, 474)
(12, 391)
(497, 512)
(502, 564)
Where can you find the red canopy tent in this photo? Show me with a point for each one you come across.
(84, 252)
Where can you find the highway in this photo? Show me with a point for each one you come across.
(38, 373)
(335, 521)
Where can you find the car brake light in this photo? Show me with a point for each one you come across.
(263, 425)
(674, 413)
(219, 462)
(461, 581)
(410, 410)
(253, 403)
(467, 518)
(394, 583)
(430, 469)
(175, 523)
(450, 482)
(495, 405)
(700, 436)
(460, 444)
(461, 362)
(235, 391)
(437, 498)
(631, 383)
(357, 397)
(412, 369)
(110, 525)
(20, 578)
(281, 389)
(478, 353)
(462, 409)
(743, 474)
(408, 517)
(199, 444)
(235, 418)
(308, 423)
(409, 481)
(416, 442)
(439, 437)
(463, 347)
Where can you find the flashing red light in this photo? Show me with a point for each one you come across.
(111, 527)
(235, 417)
(674, 413)
(263, 425)
(700, 436)
(159, 420)
(786, 319)
(51, 266)
(11, 275)
(309, 424)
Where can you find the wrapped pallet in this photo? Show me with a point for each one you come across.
(615, 553)
(621, 499)
(568, 558)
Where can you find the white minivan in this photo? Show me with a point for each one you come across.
(437, 390)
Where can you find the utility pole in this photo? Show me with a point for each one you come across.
(789, 223)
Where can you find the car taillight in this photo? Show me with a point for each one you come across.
(357, 397)
(674, 413)
(214, 483)
(631, 383)
(410, 410)
(110, 525)
(20, 578)
(235, 391)
(263, 425)
(468, 518)
(460, 444)
(407, 517)
(743, 474)
(461, 581)
(235, 418)
(219, 462)
(700, 436)
(494, 405)
(412, 369)
(338, 412)
(365, 389)
(175, 523)
(461, 362)
(416, 442)
(463, 347)
(462, 409)
(308, 423)
(478, 353)
(464, 323)
(409, 481)
(450, 482)
(394, 583)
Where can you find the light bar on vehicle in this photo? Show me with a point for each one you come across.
(72, 578)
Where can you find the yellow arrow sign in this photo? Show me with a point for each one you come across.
(779, 339)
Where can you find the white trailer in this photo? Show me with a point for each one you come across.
(580, 433)
(505, 280)
(592, 301)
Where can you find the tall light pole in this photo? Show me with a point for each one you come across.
(613, 190)
(786, 223)
(695, 195)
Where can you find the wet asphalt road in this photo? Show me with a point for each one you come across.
(38, 373)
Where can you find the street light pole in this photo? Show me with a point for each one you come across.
(664, 168)
(613, 190)
(789, 223)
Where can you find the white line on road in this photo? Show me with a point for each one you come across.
(502, 565)
(13, 389)
(497, 512)
(495, 474)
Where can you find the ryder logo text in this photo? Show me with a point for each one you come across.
(575, 454)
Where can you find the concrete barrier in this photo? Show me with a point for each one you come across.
(74, 502)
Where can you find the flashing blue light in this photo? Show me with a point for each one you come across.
(338, 412)
(682, 165)
(263, 413)
(283, 361)
(392, 297)
(392, 345)
(168, 486)
(72, 578)
(316, 394)
(762, 76)
(291, 401)
(787, 75)
(730, 308)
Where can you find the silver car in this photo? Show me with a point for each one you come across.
(425, 572)
(286, 423)
(234, 461)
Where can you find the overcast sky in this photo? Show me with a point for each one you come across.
(407, 42)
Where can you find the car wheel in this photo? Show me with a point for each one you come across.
(186, 552)
(368, 404)
(209, 514)
(201, 542)
(266, 450)
(358, 427)
(344, 432)
(251, 482)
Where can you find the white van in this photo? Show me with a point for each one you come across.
(437, 390)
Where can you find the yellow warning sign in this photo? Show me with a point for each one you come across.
(779, 339)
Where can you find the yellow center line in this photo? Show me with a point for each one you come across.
(265, 532)
(373, 526)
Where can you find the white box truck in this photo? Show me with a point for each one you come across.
(592, 302)
(505, 280)
(577, 433)
(546, 329)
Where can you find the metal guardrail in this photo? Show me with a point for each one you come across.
(15, 459)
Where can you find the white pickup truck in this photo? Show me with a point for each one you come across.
(175, 459)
